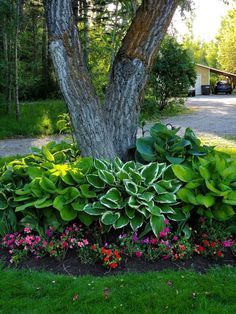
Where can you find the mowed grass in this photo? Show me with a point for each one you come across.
(37, 119)
(154, 293)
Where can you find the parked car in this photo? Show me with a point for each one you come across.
(223, 87)
(191, 91)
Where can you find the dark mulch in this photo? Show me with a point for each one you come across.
(72, 266)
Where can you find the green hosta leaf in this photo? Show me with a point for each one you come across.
(34, 172)
(70, 194)
(68, 213)
(47, 185)
(183, 173)
(133, 202)
(220, 163)
(86, 192)
(85, 218)
(121, 222)
(19, 198)
(207, 200)
(79, 204)
(43, 203)
(136, 222)
(109, 204)
(187, 196)
(178, 216)
(85, 164)
(211, 187)
(130, 187)
(118, 164)
(76, 175)
(168, 198)
(194, 184)
(68, 179)
(94, 180)
(113, 195)
(135, 176)
(130, 212)
(122, 175)
(23, 207)
(146, 196)
(106, 176)
(47, 154)
(145, 148)
(157, 224)
(223, 212)
(130, 165)
(175, 160)
(3, 201)
(230, 198)
(150, 173)
(166, 209)
(94, 211)
(100, 165)
(59, 202)
(161, 130)
(204, 173)
(109, 218)
(154, 210)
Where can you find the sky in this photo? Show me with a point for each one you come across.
(208, 15)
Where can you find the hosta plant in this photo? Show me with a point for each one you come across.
(209, 186)
(164, 145)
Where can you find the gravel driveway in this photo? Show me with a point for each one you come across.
(213, 115)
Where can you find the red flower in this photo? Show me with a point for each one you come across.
(213, 244)
(182, 247)
(113, 265)
(106, 259)
(51, 244)
(205, 242)
(116, 254)
(201, 248)
(219, 253)
(65, 244)
(93, 247)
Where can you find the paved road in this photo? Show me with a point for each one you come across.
(213, 115)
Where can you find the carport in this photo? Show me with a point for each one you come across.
(203, 76)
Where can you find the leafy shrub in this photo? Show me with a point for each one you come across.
(209, 186)
(164, 145)
(41, 191)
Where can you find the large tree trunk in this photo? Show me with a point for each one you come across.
(108, 130)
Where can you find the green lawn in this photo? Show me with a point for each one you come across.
(37, 118)
(154, 293)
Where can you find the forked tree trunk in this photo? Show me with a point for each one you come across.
(108, 130)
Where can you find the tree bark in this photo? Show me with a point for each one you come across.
(109, 130)
(83, 104)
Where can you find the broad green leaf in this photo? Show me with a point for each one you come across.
(91, 210)
(100, 165)
(109, 204)
(130, 212)
(150, 172)
(186, 196)
(23, 207)
(85, 218)
(77, 175)
(168, 198)
(109, 218)
(94, 180)
(79, 204)
(106, 176)
(223, 212)
(207, 200)
(122, 175)
(146, 196)
(166, 209)
(183, 173)
(130, 187)
(86, 192)
(211, 187)
(47, 185)
(135, 176)
(70, 194)
(154, 210)
(43, 203)
(113, 195)
(137, 221)
(204, 172)
(68, 213)
(59, 202)
(85, 164)
(194, 184)
(220, 163)
(177, 216)
(175, 160)
(34, 172)
(144, 146)
(47, 154)
(121, 222)
(157, 224)
(160, 129)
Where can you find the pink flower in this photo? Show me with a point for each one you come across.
(135, 236)
(44, 244)
(27, 230)
(48, 233)
(175, 238)
(228, 243)
(154, 241)
(80, 244)
(85, 241)
(138, 254)
(166, 221)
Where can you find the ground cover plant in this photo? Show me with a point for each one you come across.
(163, 292)
(154, 211)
